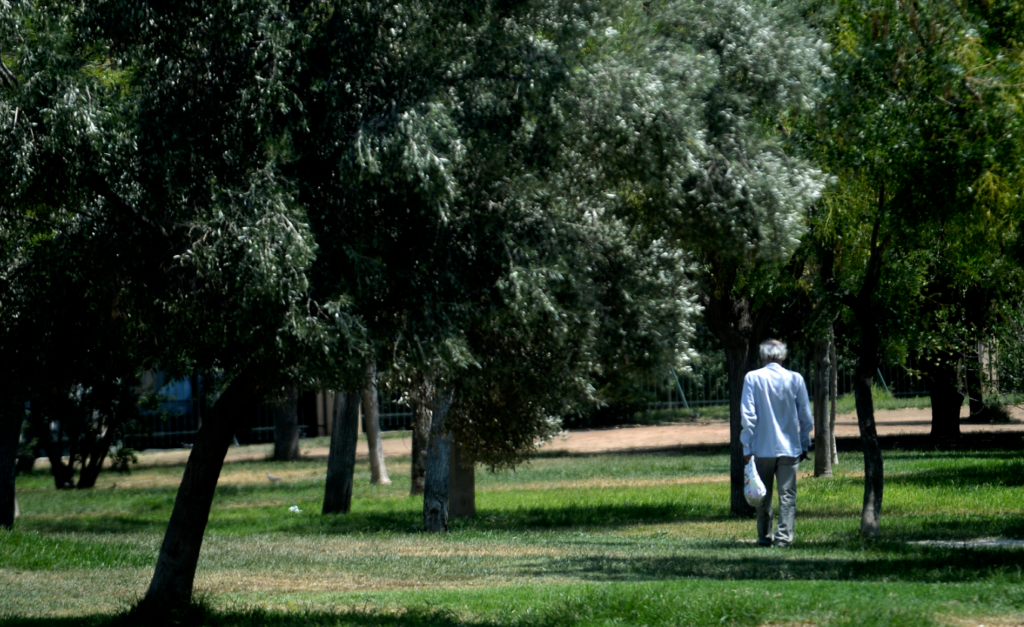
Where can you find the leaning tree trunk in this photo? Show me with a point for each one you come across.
(286, 427)
(371, 425)
(435, 489)
(822, 431)
(946, 400)
(12, 415)
(420, 438)
(179, 554)
(461, 485)
(341, 460)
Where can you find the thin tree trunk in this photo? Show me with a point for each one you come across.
(822, 432)
(371, 425)
(972, 380)
(286, 427)
(11, 419)
(435, 489)
(420, 438)
(946, 400)
(736, 366)
(461, 485)
(867, 364)
(63, 474)
(341, 461)
(91, 469)
(833, 396)
(179, 554)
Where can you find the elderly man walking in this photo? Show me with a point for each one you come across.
(776, 421)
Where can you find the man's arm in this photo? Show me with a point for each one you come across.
(748, 417)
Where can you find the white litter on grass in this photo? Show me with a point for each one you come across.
(980, 543)
(294, 508)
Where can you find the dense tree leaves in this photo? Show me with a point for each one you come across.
(920, 118)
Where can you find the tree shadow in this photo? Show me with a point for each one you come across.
(1009, 474)
(524, 519)
(909, 564)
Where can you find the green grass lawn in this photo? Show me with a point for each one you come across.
(595, 540)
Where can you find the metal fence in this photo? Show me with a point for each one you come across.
(177, 422)
(706, 381)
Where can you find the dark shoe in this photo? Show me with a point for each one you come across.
(764, 543)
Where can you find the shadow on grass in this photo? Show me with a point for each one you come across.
(1004, 474)
(524, 519)
(905, 564)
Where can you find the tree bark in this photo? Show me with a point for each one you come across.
(736, 366)
(371, 425)
(420, 438)
(47, 410)
(822, 431)
(946, 400)
(179, 554)
(12, 415)
(91, 469)
(341, 460)
(833, 396)
(972, 380)
(286, 427)
(461, 485)
(871, 512)
(435, 492)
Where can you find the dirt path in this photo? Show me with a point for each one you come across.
(890, 422)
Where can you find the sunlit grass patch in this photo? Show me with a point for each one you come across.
(559, 534)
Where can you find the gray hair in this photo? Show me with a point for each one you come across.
(773, 350)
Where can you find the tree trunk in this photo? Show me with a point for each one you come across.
(46, 411)
(91, 468)
(341, 460)
(371, 425)
(420, 438)
(179, 554)
(12, 415)
(461, 485)
(286, 427)
(435, 489)
(736, 366)
(946, 400)
(871, 512)
(972, 381)
(822, 431)
(833, 396)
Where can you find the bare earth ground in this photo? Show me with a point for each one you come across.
(622, 439)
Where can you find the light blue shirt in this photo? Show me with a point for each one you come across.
(775, 413)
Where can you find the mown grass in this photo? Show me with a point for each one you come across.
(597, 540)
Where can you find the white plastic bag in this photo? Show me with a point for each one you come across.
(753, 487)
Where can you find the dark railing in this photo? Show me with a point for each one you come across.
(706, 382)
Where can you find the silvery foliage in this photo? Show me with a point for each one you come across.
(510, 293)
(689, 100)
(60, 130)
(154, 130)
